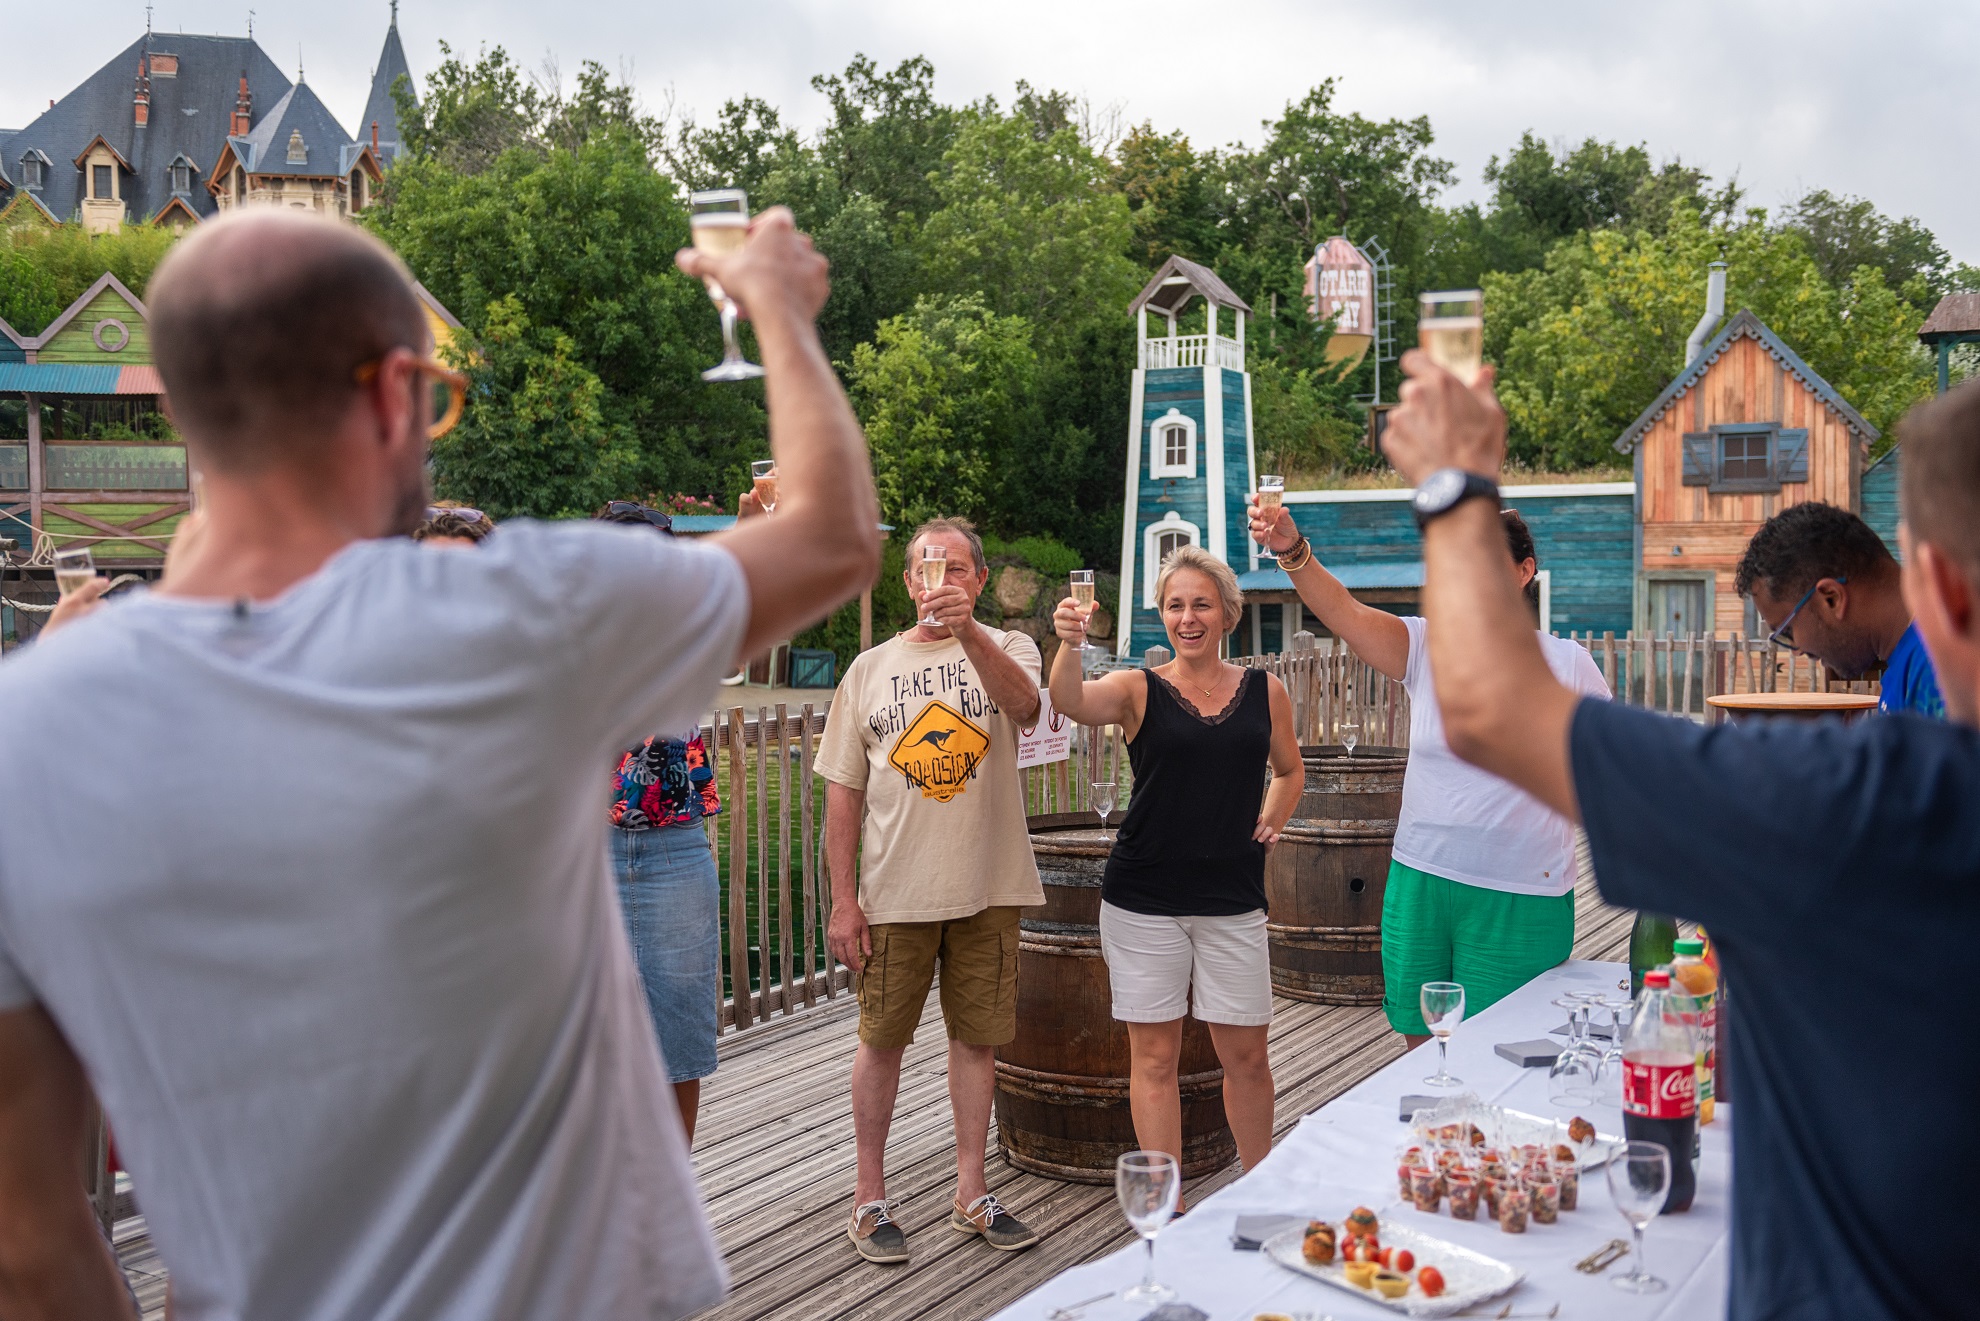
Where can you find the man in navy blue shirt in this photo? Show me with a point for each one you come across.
(1827, 586)
(1838, 868)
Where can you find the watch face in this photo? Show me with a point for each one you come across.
(1439, 490)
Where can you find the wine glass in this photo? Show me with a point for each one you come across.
(1083, 597)
(1639, 1176)
(1450, 327)
(1271, 495)
(1443, 1009)
(1350, 735)
(763, 481)
(74, 568)
(1103, 803)
(1148, 1184)
(718, 221)
(934, 572)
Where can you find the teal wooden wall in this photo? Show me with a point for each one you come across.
(1880, 498)
(1238, 479)
(1163, 388)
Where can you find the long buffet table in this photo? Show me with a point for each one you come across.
(1344, 1154)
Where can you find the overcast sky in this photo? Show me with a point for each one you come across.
(1879, 100)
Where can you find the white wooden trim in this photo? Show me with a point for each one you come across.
(1124, 617)
(1545, 577)
(1213, 457)
(1540, 492)
(1158, 450)
(1250, 459)
(1151, 563)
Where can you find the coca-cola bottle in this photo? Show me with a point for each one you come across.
(1660, 1082)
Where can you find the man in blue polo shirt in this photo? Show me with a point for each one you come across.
(1827, 586)
(1838, 867)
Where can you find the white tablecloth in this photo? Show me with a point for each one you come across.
(1344, 1155)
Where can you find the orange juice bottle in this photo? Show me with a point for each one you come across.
(1700, 980)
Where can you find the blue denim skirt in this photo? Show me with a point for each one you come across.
(670, 894)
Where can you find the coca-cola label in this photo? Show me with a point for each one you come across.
(1660, 1089)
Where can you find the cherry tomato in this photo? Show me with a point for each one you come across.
(1431, 1281)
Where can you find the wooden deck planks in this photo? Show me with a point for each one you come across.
(775, 1158)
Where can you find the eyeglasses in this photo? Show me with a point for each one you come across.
(449, 391)
(1784, 635)
(632, 511)
(458, 511)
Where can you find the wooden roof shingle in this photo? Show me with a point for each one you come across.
(1178, 279)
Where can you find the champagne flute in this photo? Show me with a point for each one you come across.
(74, 568)
(1148, 1184)
(1082, 594)
(1639, 1176)
(763, 481)
(1103, 803)
(1443, 1009)
(1271, 495)
(718, 220)
(1450, 327)
(934, 572)
(1350, 736)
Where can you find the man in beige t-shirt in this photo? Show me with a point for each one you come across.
(920, 755)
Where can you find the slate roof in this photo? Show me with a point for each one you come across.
(1163, 296)
(189, 115)
(266, 149)
(379, 106)
(1745, 325)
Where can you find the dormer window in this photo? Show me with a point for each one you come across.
(1172, 445)
(182, 176)
(100, 186)
(32, 167)
(298, 149)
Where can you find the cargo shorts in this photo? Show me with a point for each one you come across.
(978, 959)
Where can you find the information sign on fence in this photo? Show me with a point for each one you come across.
(1047, 739)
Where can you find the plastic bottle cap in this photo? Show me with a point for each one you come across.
(1657, 977)
(1694, 948)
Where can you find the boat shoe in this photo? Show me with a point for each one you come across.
(875, 1234)
(987, 1216)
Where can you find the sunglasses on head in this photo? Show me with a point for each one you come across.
(459, 511)
(632, 511)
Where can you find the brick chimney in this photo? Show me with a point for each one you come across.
(240, 124)
(374, 137)
(141, 101)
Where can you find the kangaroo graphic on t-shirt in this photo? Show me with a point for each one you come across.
(936, 736)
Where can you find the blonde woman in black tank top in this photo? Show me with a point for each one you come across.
(1182, 913)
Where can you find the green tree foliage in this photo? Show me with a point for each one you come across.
(1587, 341)
(1844, 234)
(44, 268)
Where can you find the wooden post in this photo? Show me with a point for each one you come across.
(808, 879)
(786, 964)
(866, 620)
(763, 918)
(1609, 660)
(36, 469)
(738, 875)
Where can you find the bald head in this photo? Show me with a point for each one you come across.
(259, 322)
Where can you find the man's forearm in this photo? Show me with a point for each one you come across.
(1004, 680)
(843, 809)
(1502, 707)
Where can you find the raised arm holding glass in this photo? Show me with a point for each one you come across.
(1182, 913)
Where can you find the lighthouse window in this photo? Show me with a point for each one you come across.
(1172, 445)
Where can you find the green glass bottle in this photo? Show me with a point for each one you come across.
(1652, 944)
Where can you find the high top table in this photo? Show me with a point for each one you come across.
(1344, 1155)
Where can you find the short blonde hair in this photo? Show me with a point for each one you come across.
(1220, 573)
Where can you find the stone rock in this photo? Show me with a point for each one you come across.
(1101, 625)
(1031, 626)
(1017, 587)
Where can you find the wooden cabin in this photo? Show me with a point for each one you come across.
(1745, 430)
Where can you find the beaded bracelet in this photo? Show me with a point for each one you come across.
(1296, 557)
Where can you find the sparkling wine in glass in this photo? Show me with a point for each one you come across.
(1148, 1184)
(1443, 1010)
(73, 569)
(934, 572)
(1271, 495)
(1082, 594)
(1450, 327)
(1639, 1176)
(1103, 803)
(718, 220)
(763, 481)
(1350, 736)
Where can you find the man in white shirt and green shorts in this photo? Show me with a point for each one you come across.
(1481, 882)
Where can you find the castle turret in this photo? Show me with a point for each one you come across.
(1190, 453)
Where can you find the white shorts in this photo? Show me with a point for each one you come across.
(1155, 963)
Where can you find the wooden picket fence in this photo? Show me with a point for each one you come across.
(1675, 674)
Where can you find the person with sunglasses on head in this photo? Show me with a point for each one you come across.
(348, 972)
(451, 523)
(1828, 587)
(669, 891)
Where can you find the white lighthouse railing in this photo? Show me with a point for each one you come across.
(1191, 351)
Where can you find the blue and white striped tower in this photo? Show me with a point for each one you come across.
(1190, 462)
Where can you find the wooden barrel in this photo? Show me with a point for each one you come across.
(1062, 1084)
(1325, 879)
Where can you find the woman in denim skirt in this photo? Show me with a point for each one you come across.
(668, 888)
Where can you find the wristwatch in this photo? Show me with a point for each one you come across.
(1446, 489)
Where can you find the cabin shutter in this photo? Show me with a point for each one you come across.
(1700, 458)
(1791, 454)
